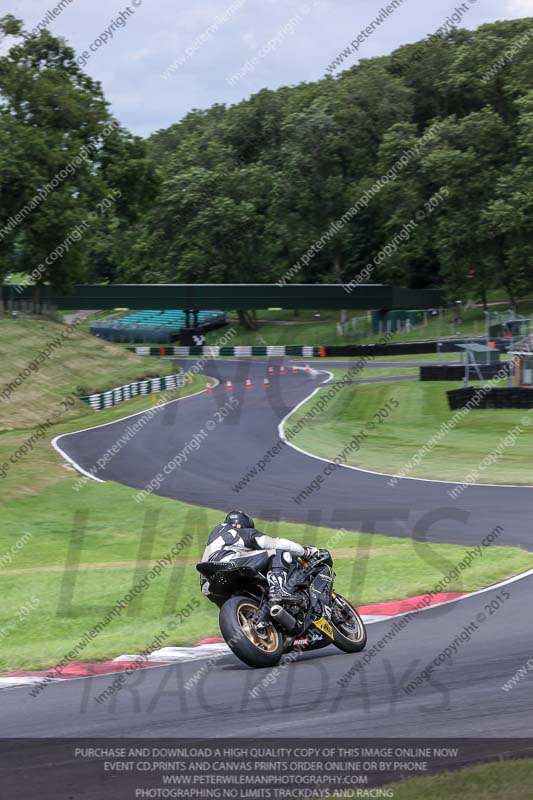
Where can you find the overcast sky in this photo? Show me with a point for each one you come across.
(156, 65)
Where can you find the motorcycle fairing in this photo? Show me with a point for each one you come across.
(312, 640)
(325, 626)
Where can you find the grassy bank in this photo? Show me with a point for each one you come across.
(510, 780)
(48, 394)
(60, 362)
(416, 412)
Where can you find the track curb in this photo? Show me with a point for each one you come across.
(204, 648)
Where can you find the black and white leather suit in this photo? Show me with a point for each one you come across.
(251, 547)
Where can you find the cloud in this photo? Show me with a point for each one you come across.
(161, 32)
(520, 7)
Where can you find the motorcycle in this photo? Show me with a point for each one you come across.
(259, 633)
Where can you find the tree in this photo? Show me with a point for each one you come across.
(328, 149)
(412, 261)
(468, 156)
(61, 156)
(507, 219)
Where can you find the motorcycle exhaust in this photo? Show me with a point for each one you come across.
(285, 619)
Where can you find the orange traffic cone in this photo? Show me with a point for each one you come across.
(266, 383)
(307, 368)
(209, 387)
(229, 387)
(295, 370)
(248, 383)
(282, 370)
(271, 370)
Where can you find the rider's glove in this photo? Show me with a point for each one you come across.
(309, 552)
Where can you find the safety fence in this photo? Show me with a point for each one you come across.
(449, 372)
(15, 307)
(149, 386)
(512, 397)
(436, 346)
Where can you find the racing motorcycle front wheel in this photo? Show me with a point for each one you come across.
(256, 647)
(349, 632)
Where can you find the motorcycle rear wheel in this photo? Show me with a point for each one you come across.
(241, 637)
(350, 635)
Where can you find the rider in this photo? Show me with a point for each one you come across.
(238, 541)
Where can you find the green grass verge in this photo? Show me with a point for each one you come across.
(421, 409)
(372, 372)
(511, 780)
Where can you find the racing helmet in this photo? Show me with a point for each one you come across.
(239, 519)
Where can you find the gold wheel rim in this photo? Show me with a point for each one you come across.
(268, 645)
(357, 637)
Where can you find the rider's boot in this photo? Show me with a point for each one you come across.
(277, 580)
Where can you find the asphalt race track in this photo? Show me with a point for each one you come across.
(347, 498)
(462, 697)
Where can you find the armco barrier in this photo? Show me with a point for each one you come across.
(207, 351)
(315, 351)
(149, 386)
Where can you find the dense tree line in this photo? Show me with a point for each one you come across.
(241, 193)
